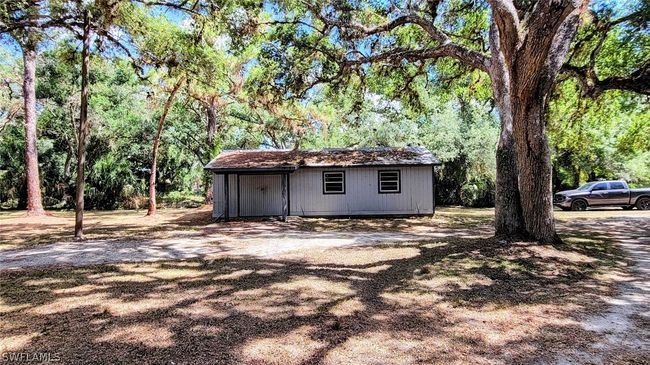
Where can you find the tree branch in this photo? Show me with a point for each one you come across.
(586, 75)
(172, 5)
(362, 30)
(638, 81)
(466, 56)
(506, 20)
(138, 68)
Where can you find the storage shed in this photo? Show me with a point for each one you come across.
(327, 182)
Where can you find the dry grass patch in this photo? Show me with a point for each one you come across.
(58, 226)
(172, 223)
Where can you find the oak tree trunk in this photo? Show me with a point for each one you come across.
(156, 144)
(524, 206)
(84, 129)
(535, 170)
(34, 199)
(527, 56)
(508, 218)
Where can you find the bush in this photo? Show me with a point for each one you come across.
(180, 199)
(135, 202)
(477, 194)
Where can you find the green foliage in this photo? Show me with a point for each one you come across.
(477, 193)
(109, 182)
(603, 138)
(282, 85)
(180, 199)
(12, 167)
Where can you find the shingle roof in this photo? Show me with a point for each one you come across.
(231, 160)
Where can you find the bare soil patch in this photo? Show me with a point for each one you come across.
(459, 297)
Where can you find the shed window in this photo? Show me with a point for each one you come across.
(333, 182)
(389, 181)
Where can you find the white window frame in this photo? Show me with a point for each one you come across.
(380, 179)
(327, 190)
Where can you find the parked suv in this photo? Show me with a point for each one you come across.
(603, 193)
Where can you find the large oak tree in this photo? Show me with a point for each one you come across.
(521, 45)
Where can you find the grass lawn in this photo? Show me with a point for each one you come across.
(448, 300)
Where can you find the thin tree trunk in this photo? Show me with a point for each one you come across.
(576, 176)
(84, 129)
(211, 112)
(68, 164)
(156, 143)
(34, 199)
(212, 121)
(207, 188)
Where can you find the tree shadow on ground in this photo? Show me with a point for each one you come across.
(200, 223)
(446, 300)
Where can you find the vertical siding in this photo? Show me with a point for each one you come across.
(218, 194)
(260, 195)
(362, 192)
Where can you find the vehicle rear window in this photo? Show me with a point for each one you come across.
(616, 185)
(600, 186)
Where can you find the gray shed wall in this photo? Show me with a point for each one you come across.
(260, 194)
(361, 193)
(218, 195)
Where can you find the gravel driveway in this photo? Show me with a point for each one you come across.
(625, 323)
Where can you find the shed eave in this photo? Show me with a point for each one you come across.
(250, 170)
(388, 164)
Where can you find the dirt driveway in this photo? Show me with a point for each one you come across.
(262, 245)
(203, 239)
(181, 235)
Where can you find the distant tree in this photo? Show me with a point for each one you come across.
(156, 144)
(24, 22)
(216, 82)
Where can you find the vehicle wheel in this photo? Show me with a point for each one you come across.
(579, 205)
(643, 204)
